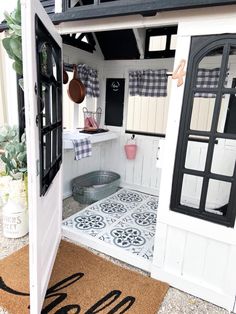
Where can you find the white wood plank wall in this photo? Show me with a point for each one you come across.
(140, 173)
(148, 114)
(190, 262)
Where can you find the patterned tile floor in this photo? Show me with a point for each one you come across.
(126, 219)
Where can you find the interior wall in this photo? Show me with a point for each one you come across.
(140, 173)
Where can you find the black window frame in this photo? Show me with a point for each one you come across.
(50, 152)
(167, 31)
(200, 45)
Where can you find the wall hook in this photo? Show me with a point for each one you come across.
(133, 136)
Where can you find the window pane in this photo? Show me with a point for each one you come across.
(191, 191)
(212, 59)
(173, 42)
(231, 67)
(218, 194)
(196, 155)
(202, 112)
(227, 118)
(148, 114)
(224, 157)
(157, 43)
(54, 68)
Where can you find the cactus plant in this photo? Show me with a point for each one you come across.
(7, 134)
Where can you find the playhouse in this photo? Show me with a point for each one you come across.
(161, 77)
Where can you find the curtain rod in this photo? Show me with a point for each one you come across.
(69, 66)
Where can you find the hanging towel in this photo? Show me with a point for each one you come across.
(82, 148)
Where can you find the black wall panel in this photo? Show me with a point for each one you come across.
(115, 88)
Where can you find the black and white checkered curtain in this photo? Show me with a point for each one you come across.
(89, 77)
(149, 83)
(207, 78)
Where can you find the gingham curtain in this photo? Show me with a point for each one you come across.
(152, 83)
(89, 77)
(207, 78)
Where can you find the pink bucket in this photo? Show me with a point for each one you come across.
(130, 151)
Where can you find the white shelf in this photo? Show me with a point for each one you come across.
(68, 136)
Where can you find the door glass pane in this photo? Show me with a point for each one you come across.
(54, 68)
(227, 117)
(196, 153)
(224, 156)
(218, 194)
(191, 191)
(202, 112)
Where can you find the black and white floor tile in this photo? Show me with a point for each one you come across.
(126, 219)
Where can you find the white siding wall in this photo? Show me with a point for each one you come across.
(196, 264)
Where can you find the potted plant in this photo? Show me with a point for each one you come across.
(13, 155)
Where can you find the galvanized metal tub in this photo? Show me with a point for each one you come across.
(94, 186)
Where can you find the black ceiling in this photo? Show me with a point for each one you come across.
(118, 45)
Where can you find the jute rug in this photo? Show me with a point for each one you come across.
(81, 282)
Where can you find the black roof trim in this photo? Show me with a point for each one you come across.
(121, 7)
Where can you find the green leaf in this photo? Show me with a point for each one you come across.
(16, 29)
(14, 163)
(7, 46)
(23, 169)
(21, 157)
(15, 45)
(17, 66)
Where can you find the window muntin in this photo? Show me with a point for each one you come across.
(49, 95)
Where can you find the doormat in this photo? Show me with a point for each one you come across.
(81, 282)
(125, 220)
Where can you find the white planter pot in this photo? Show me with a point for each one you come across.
(15, 220)
(15, 212)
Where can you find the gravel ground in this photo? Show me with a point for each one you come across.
(175, 302)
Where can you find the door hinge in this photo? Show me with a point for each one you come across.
(37, 167)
